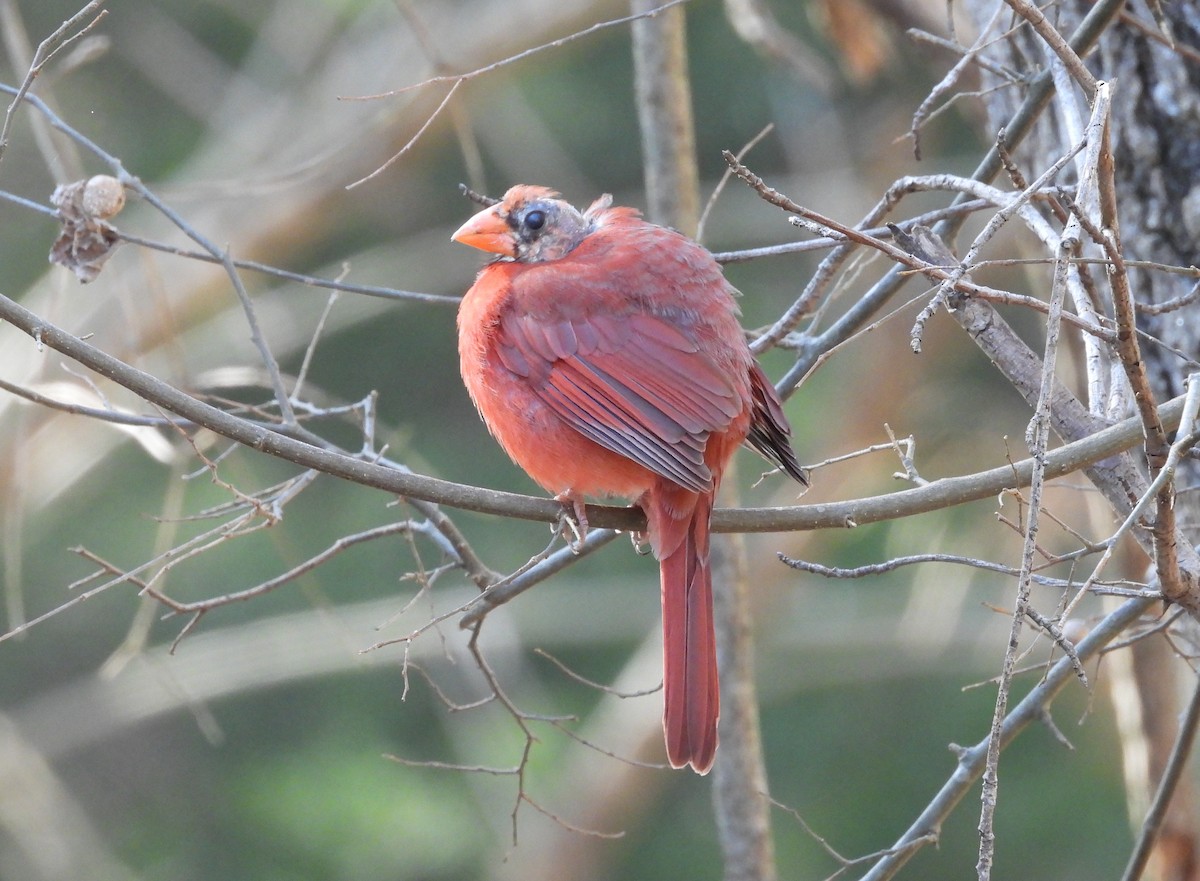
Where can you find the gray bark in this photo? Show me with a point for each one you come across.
(1155, 132)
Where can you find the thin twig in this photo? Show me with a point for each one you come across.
(1171, 776)
(950, 80)
(520, 56)
(1002, 72)
(1055, 41)
(846, 862)
(310, 280)
(952, 278)
(46, 50)
(591, 683)
(950, 284)
(221, 255)
(890, 565)
(502, 593)
(819, 244)
(1037, 95)
(971, 760)
(1038, 437)
(521, 718)
(725, 177)
(411, 141)
(314, 562)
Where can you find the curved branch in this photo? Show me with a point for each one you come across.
(971, 761)
(940, 493)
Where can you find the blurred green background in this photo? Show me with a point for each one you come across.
(259, 748)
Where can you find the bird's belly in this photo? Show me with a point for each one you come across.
(555, 455)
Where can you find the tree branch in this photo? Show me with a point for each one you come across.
(941, 493)
(1055, 41)
(1176, 764)
(972, 761)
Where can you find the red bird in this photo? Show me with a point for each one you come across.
(605, 355)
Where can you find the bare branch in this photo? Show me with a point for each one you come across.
(1055, 41)
(520, 56)
(1166, 788)
(725, 176)
(848, 862)
(399, 154)
(971, 761)
(310, 280)
(946, 491)
(950, 80)
(46, 50)
(1037, 95)
(1176, 561)
(342, 544)
(895, 563)
(598, 686)
(1038, 438)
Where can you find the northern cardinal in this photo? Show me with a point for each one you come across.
(605, 355)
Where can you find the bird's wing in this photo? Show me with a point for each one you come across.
(637, 383)
(769, 429)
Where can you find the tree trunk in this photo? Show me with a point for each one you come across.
(1155, 132)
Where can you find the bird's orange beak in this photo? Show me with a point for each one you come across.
(487, 231)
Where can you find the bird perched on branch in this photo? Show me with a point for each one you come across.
(605, 355)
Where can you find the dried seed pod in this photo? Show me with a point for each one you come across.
(86, 239)
(103, 196)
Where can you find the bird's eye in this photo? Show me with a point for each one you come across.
(535, 220)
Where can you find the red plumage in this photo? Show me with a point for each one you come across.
(605, 355)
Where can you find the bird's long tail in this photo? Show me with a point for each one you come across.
(679, 530)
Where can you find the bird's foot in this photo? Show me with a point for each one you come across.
(572, 521)
(641, 543)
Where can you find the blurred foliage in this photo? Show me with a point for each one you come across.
(269, 763)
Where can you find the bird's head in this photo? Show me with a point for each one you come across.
(529, 225)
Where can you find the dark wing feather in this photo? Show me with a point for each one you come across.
(769, 429)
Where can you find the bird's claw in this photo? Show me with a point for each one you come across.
(572, 521)
(640, 541)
